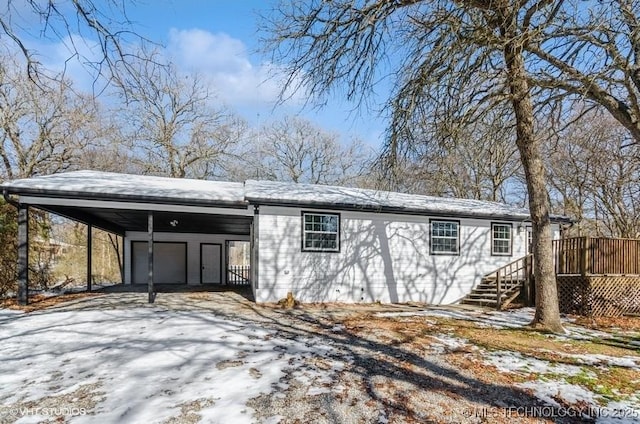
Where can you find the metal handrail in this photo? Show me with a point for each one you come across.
(240, 277)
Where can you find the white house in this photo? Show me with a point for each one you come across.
(321, 243)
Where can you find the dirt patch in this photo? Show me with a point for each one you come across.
(228, 364)
(189, 412)
(420, 335)
(414, 369)
(255, 373)
(57, 408)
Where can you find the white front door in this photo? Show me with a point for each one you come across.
(211, 263)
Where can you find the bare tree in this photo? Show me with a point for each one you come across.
(294, 149)
(595, 178)
(42, 131)
(110, 154)
(106, 22)
(438, 53)
(592, 53)
(478, 160)
(171, 124)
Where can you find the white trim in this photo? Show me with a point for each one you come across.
(103, 204)
(509, 240)
(434, 237)
(306, 232)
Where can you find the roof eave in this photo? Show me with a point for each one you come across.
(387, 209)
(36, 192)
(562, 220)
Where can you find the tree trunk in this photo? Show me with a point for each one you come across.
(547, 315)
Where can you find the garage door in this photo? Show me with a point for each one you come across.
(169, 262)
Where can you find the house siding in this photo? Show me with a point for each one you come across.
(383, 257)
(193, 242)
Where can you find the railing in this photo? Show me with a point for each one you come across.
(589, 256)
(519, 271)
(238, 275)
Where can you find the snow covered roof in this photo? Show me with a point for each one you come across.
(96, 184)
(271, 192)
(140, 188)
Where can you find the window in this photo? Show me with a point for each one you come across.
(321, 232)
(445, 238)
(501, 239)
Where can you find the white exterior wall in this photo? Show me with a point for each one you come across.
(383, 257)
(193, 250)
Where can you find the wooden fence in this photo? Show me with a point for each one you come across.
(597, 256)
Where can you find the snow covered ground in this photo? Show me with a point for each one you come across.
(195, 358)
(145, 364)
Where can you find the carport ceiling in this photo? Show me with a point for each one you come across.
(136, 220)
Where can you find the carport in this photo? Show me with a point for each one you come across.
(170, 226)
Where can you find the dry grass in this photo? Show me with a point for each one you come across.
(533, 343)
(630, 323)
(38, 302)
(200, 296)
(416, 335)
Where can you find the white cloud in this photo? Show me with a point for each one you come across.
(221, 60)
(226, 63)
(237, 78)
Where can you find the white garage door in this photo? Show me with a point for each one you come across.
(169, 263)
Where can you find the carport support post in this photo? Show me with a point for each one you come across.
(150, 261)
(253, 259)
(89, 256)
(23, 254)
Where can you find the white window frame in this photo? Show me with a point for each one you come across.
(306, 232)
(433, 238)
(508, 240)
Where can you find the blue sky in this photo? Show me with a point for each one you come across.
(219, 40)
(235, 18)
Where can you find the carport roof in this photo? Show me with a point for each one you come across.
(113, 186)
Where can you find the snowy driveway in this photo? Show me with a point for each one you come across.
(125, 363)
